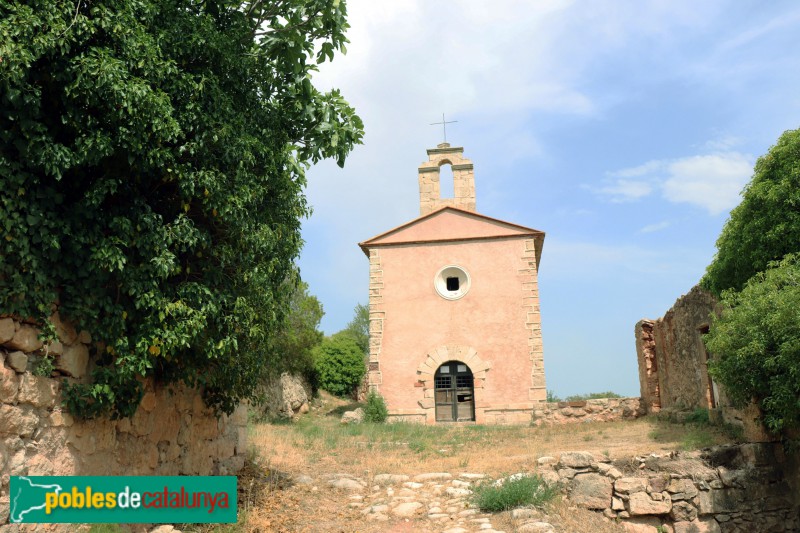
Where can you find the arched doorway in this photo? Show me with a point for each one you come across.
(454, 393)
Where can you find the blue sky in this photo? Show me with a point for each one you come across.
(624, 130)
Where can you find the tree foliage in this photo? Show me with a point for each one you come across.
(766, 225)
(299, 335)
(358, 328)
(339, 363)
(756, 344)
(152, 170)
(375, 410)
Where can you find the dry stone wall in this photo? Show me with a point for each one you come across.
(601, 410)
(729, 489)
(172, 433)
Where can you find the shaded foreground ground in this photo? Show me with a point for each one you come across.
(288, 486)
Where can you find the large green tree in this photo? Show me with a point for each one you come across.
(152, 157)
(300, 334)
(756, 344)
(765, 226)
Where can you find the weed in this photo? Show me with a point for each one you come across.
(417, 446)
(587, 438)
(512, 492)
(698, 416)
(696, 438)
(464, 463)
(375, 411)
(44, 367)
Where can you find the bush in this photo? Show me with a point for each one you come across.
(756, 344)
(375, 410)
(592, 396)
(339, 364)
(512, 492)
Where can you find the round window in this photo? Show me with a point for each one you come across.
(451, 282)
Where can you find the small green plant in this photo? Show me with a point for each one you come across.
(697, 438)
(698, 416)
(588, 437)
(44, 367)
(493, 497)
(375, 411)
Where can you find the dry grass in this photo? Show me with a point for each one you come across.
(318, 444)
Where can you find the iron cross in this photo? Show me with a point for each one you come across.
(444, 124)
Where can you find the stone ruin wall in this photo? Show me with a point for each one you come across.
(727, 489)
(673, 365)
(600, 410)
(172, 432)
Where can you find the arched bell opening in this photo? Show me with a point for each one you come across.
(454, 393)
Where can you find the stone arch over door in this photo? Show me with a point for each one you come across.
(436, 358)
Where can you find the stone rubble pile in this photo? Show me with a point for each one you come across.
(726, 489)
(437, 501)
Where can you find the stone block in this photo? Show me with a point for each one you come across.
(38, 391)
(64, 330)
(630, 485)
(576, 459)
(26, 339)
(682, 489)
(18, 361)
(683, 512)
(702, 525)
(17, 420)
(9, 384)
(640, 503)
(7, 330)
(645, 524)
(591, 491)
(426, 403)
(74, 360)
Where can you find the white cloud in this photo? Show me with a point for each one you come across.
(658, 226)
(711, 181)
(623, 190)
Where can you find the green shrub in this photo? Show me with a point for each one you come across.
(756, 344)
(551, 396)
(592, 396)
(494, 497)
(339, 363)
(698, 416)
(375, 410)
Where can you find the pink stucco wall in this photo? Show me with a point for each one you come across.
(490, 318)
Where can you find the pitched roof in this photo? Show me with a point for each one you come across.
(451, 224)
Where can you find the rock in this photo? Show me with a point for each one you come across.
(407, 509)
(164, 529)
(682, 489)
(536, 527)
(389, 479)
(630, 485)
(683, 512)
(303, 479)
(617, 504)
(38, 391)
(412, 484)
(550, 478)
(456, 529)
(85, 337)
(640, 503)
(647, 524)
(353, 417)
(74, 360)
(25, 339)
(576, 459)
(467, 475)
(433, 476)
(286, 396)
(520, 514)
(18, 361)
(9, 384)
(591, 491)
(6, 332)
(64, 330)
(454, 492)
(546, 460)
(567, 473)
(347, 484)
(18, 421)
(704, 525)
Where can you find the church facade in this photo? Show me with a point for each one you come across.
(455, 328)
